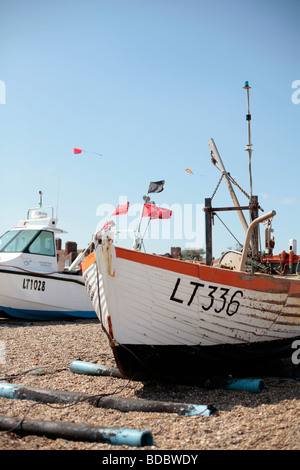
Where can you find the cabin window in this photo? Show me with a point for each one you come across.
(15, 241)
(38, 242)
(43, 244)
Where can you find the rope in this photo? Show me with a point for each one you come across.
(217, 187)
(231, 179)
(238, 186)
(228, 230)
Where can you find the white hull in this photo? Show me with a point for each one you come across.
(150, 305)
(44, 297)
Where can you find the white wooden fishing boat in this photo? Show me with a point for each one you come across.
(31, 287)
(176, 320)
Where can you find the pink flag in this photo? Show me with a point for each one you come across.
(107, 225)
(155, 212)
(121, 209)
(76, 150)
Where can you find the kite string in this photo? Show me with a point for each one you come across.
(77, 151)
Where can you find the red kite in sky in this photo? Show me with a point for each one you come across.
(77, 151)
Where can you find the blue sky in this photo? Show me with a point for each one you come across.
(146, 83)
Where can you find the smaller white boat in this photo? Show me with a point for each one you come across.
(31, 286)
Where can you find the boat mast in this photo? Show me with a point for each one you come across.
(253, 206)
(249, 146)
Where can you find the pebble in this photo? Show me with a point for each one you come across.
(38, 354)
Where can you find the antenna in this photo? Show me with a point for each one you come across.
(57, 198)
(248, 147)
(41, 198)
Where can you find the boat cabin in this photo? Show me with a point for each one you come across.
(31, 245)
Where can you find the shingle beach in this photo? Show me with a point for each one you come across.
(39, 354)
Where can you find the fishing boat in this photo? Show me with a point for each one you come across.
(31, 286)
(169, 319)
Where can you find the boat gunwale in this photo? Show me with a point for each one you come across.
(251, 281)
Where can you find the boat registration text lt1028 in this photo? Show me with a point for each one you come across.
(34, 284)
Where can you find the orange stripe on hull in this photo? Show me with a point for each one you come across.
(259, 282)
(89, 260)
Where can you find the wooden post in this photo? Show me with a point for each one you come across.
(208, 231)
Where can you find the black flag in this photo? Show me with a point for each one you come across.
(156, 187)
